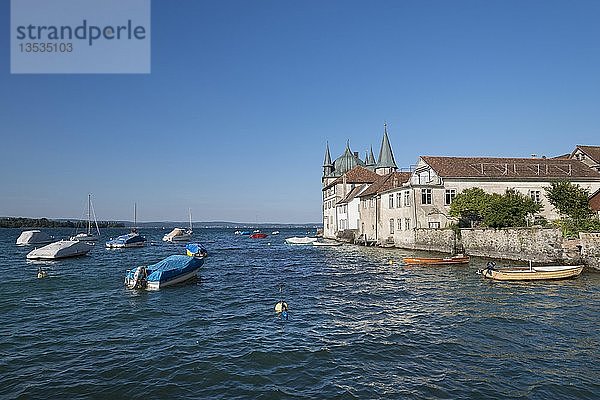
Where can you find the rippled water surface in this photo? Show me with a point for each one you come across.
(358, 326)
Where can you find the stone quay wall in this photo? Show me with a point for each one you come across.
(543, 245)
(590, 249)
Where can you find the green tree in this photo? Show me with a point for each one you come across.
(508, 210)
(474, 206)
(468, 206)
(570, 200)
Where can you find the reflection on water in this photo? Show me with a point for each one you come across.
(358, 327)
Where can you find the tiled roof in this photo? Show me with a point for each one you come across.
(357, 174)
(353, 193)
(592, 152)
(386, 182)
(510, 168)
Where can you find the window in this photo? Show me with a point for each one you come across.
(536, 195)
(450, 195)
(391, 200)
(391, 226)
(406, 224)
(434, 225)
(407, 198)
(425, 196)
(399, 224)
(398, 198)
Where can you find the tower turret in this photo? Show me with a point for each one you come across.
(386, 162)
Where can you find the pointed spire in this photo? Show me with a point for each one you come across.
(371, 158)
(386, 156)
(327, 161)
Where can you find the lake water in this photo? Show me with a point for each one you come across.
(358, 327)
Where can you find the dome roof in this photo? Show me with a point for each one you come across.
(346, 162)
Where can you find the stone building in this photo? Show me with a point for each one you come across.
(384, 207)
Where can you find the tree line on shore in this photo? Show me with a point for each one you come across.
(21, 222)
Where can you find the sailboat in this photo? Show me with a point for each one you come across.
(132, 239)
(89, 235)
(180, 234)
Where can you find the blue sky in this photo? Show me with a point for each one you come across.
(232, 121)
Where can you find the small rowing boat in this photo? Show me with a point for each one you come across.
(549, 272)
(459, 259)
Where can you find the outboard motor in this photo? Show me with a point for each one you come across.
(138, 281)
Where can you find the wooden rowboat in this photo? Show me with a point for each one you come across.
(550, 272)
(436, 261)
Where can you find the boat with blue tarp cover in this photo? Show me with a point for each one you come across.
(170, 271)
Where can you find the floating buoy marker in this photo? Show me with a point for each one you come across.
(281, 307)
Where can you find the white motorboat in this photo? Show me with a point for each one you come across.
(275, 233)
(34, 237)
(89, 235)
(301, 240)
(180, 234)
(60, 249)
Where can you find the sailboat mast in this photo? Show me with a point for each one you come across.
(89, 225)
(190, 210)
(135, 215)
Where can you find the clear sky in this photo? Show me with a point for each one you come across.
(243, 95)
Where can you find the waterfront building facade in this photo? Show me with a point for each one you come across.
(384, 207)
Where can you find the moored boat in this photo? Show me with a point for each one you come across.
(89, 235)
(275, 233)
(60, 249)
(258, 236)
(132, 239)
(170, 271)
(459, 259)
(300, 240)
(177, 235)
(548, 272)
(180, 234)
(34, 237)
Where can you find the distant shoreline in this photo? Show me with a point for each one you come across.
(22, 222)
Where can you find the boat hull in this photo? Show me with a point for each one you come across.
(156, 285)
(435, 261)
(533, 274)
